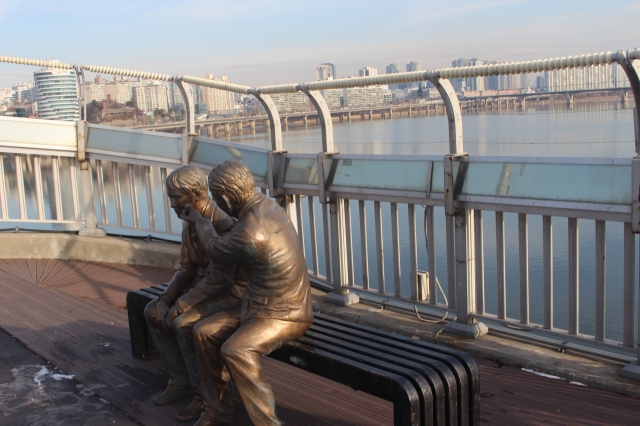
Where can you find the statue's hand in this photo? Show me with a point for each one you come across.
(190, 215)
(171, 316)
(162, 309)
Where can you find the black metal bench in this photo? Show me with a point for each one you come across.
(427, 384)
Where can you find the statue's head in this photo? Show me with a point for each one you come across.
(231, 184)
(186, 185)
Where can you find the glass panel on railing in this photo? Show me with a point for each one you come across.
(148, 144)
(591, 183)
(38, 132)
(402, 175)
(212, 155)
(301, 171)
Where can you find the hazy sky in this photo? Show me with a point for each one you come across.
(259, 42)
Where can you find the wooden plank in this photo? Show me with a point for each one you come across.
(74, 360)
(64, 327)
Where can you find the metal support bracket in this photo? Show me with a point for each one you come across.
(449, 182)
(324, 114)
(189, 107)
(274, 119)
(631, 67)
(277, 167)
(454, 113)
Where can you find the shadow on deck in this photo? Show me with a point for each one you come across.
(66, 311)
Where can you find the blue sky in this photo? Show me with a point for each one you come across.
(258, 42)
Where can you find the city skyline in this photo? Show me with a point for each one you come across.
(259, 49)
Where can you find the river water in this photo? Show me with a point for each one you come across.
(591, 129)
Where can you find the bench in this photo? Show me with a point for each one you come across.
(428, 384)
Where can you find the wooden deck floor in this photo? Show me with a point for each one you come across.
(67, 312)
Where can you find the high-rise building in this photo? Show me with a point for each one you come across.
(118, 91)
(326, 71)
(57, 94)
(292, 102)
(414, 66)
(333, 98)
(94, 92)
(150, 98)
(356, 97)
(392, 69)
(216, 100)
(471, 83)
(368, 72)
(585, 78)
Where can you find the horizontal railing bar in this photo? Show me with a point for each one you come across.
(383, 157)
(41, 221)
(142, 160)
(218, 142)
(547, 160)
(35, 149)
(534, 66)
(132, 130)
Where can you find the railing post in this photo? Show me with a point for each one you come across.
(630, 63)
(340, 294)
(463, 241)
(91, 229)
(190, 126)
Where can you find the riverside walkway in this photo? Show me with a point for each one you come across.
(71, 313)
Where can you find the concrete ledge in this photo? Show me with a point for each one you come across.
(593, 373)
(27, 245)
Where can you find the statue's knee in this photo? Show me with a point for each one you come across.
(181, 323)
(230, 352)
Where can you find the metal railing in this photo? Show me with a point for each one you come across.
(465, 187)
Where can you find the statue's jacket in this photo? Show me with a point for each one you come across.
(198, 280)
(266, 245)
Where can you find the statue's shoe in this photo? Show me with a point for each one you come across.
(192, 412)
(173, 393)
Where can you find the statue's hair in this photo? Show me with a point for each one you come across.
(233, 180)
(187, 179)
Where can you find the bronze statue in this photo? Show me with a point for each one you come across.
(199, 289)
(276, 306)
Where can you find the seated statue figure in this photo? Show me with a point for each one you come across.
(199, 289)
(276, 306)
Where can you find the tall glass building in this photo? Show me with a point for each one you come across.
(57, 94)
